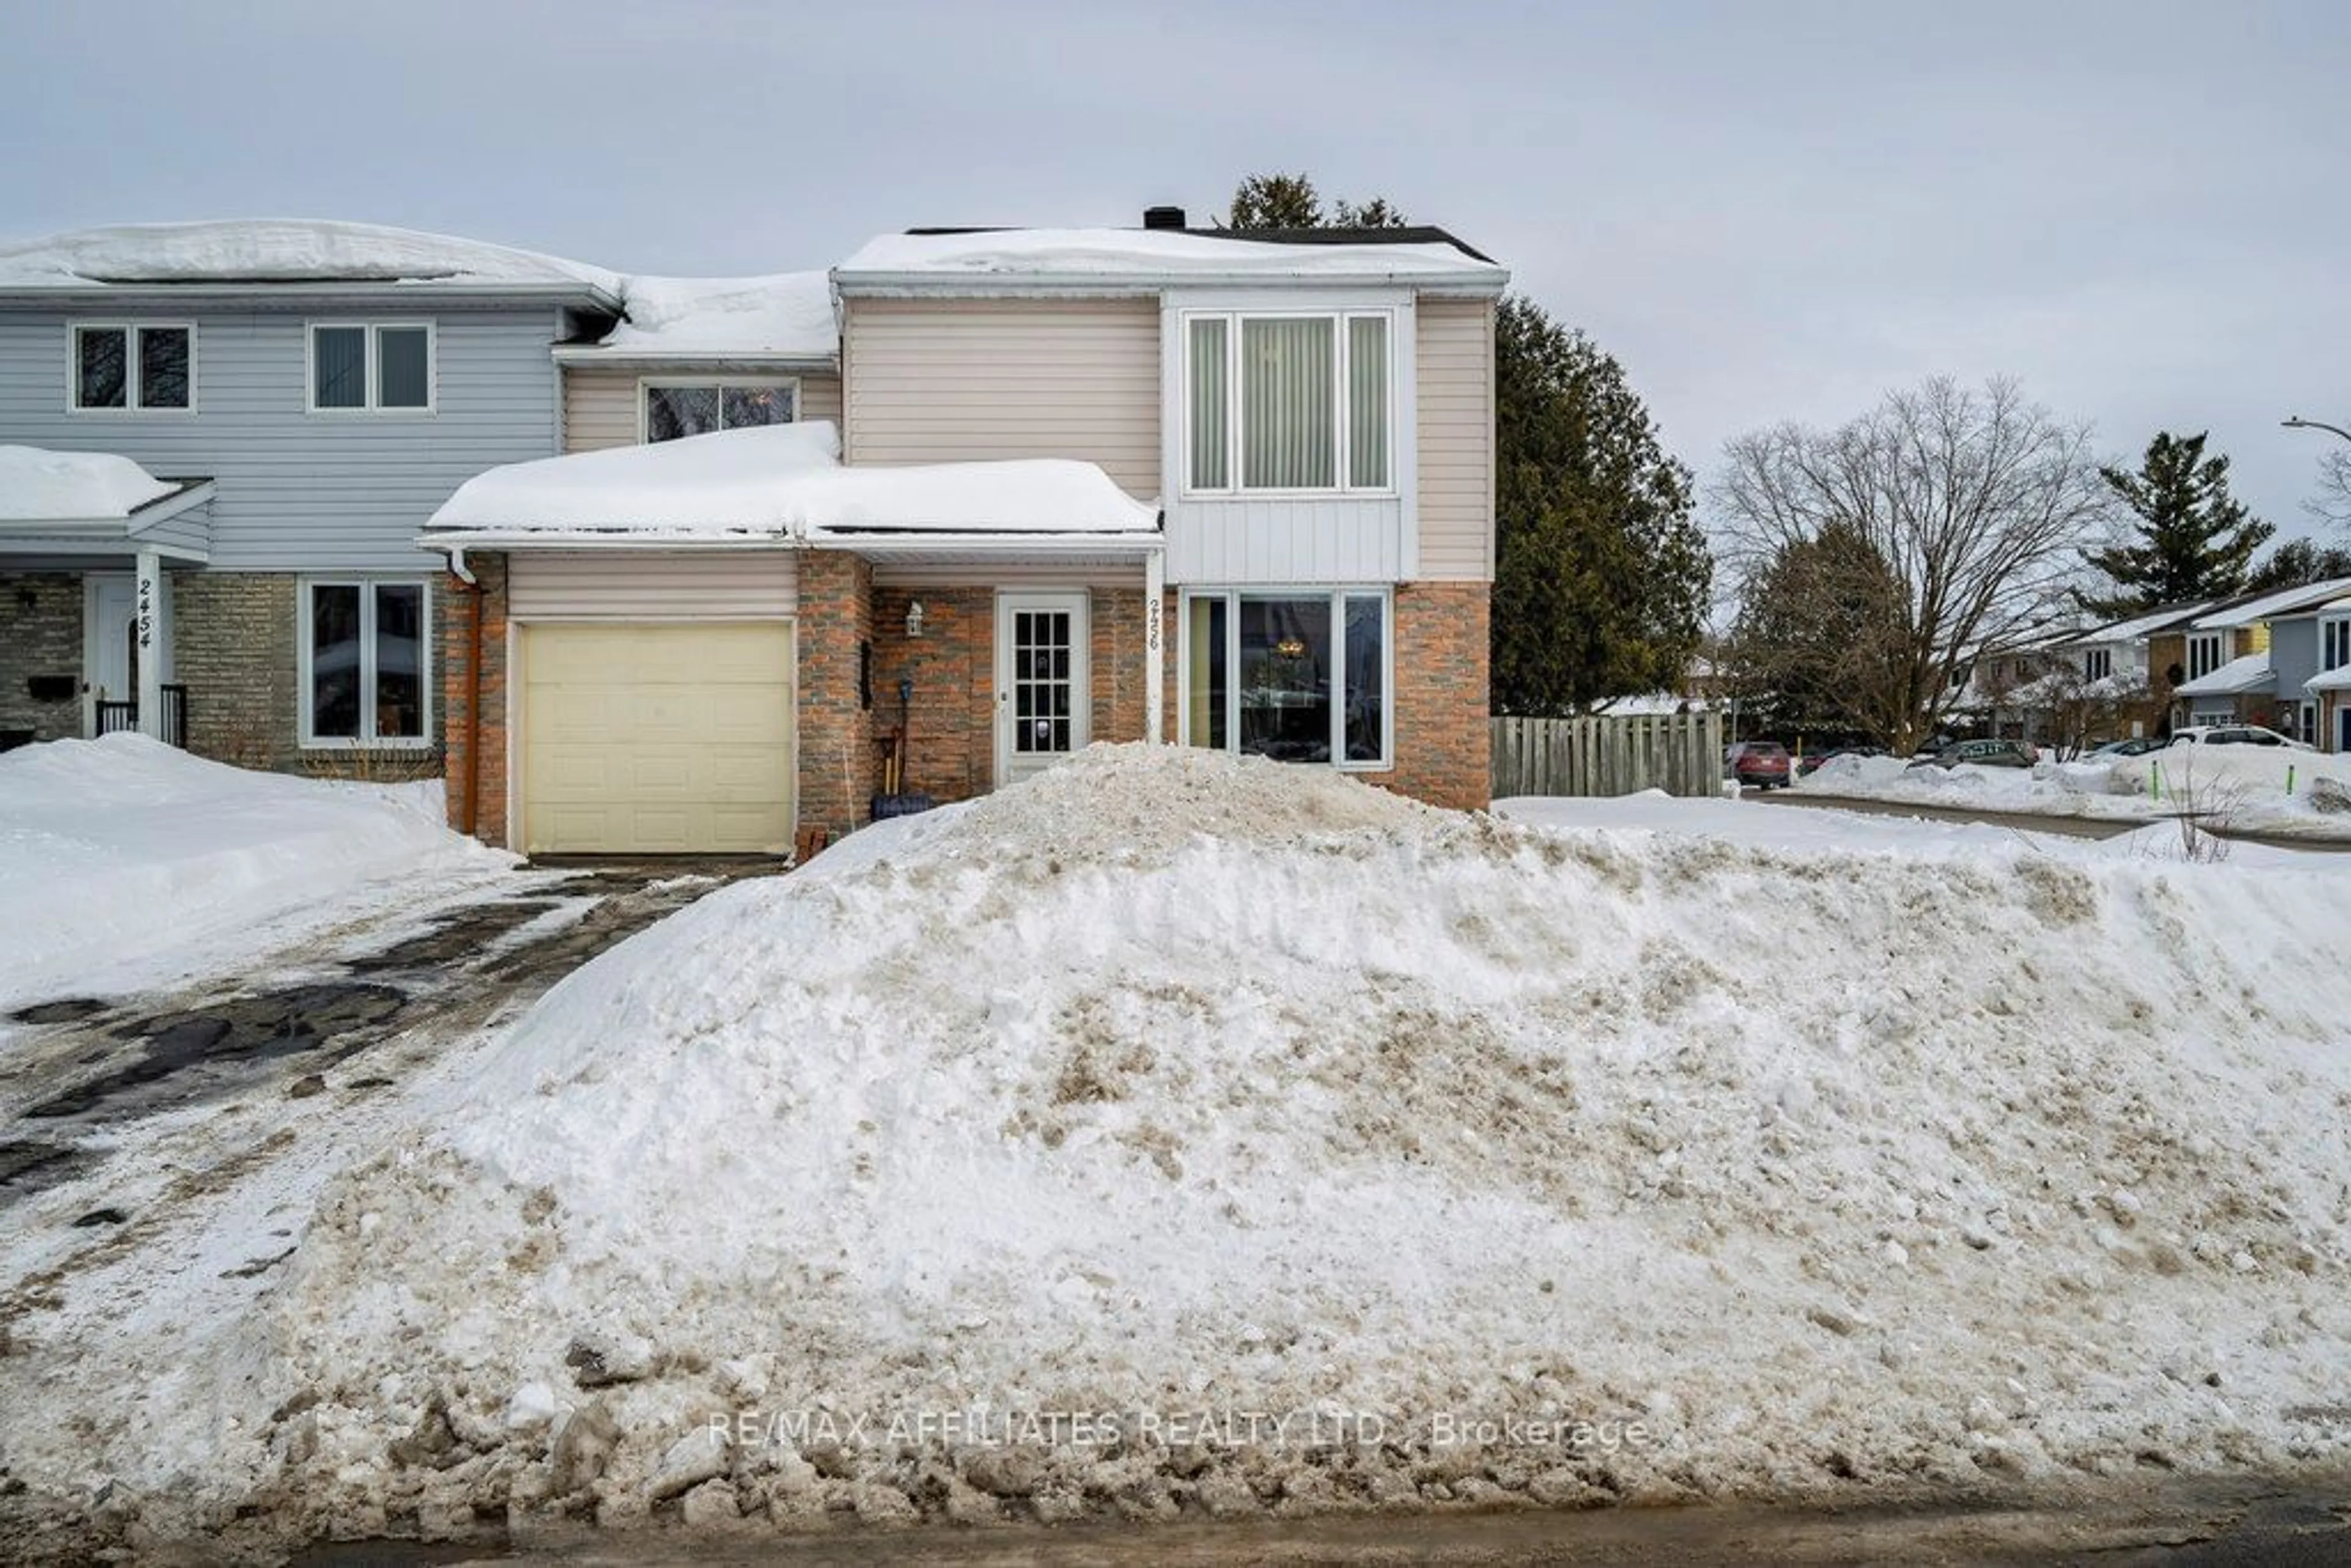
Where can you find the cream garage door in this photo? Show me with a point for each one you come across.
(657, 739)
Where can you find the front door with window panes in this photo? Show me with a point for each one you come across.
(1042, 705)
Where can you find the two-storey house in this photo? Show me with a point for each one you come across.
(1087, 484)
(2237, 671)
(221, 441)
(2310, 652)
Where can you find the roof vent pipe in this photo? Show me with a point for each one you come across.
(1163, 217)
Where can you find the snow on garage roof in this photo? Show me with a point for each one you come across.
(778, 482)
(2284, 602)
(2249, 673)
(283, 250)
(784, 315)
(1042, 258)
(39, 486)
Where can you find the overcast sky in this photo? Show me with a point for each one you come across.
(1767, 210)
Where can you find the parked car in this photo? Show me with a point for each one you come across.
(2136, 746)
(1812, 762)
(1982, 754)
(1761, 763)
(2234, 734)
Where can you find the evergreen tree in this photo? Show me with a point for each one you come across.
(1275, 201)
(2298, 563)
(1601, 574)
(1820, 639)
(2193, 538)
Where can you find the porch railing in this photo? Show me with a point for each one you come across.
(113, 715)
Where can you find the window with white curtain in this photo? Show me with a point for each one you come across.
(1288, 402)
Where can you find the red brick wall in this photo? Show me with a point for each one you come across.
(460, 605)
(1442, 748)
(837, 764)
(951, 749)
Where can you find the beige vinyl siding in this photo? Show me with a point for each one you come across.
(965, 380)
(599, 405)
(1456, 439)
(652, 585)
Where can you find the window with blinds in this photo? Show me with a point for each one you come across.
(1288, 402)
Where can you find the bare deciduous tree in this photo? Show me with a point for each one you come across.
(1978, 502)
(2333, 501)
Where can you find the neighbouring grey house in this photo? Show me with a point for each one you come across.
(300, 397)
(2310, 652)
(2251, 659)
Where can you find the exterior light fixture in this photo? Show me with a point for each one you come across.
(915, 619)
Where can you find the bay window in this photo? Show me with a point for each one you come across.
(1295, 676)
(1288, 402)
(366, 662)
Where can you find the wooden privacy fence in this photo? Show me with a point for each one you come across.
(1679, 753)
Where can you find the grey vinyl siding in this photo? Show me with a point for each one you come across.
(2294, 655)
(600, 404)
(298, 491)
(187, 530)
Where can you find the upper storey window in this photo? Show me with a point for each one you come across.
(371, 367)
(128, 369)
(1279, 403)
(672, 409)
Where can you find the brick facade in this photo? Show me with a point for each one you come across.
(1443, 746)
(234, 646)
(837, 761)
(1440, 695)
(475, 789)
(40, 636)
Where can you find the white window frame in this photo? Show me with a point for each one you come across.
(131, 399)
(426, 658)
(1383, 591)
(646, 383)
(374, 328)
(2336, 628)
(1342, 414)
(2098, 663)
(2217, 642)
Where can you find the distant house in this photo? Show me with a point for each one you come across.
(2236, 671)
(2310, 649)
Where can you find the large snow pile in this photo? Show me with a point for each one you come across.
(2252, 789)
(40, 486)
(2072, 789)
(282, 250)
(784, 481)
(996, 1159)
(789, 313)
(120, 847)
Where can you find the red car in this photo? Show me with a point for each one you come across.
(1761, 763)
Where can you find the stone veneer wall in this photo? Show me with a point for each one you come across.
(234, 647)
(42, 637)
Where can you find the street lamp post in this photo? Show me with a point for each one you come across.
(2298, 422)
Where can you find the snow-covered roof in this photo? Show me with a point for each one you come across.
(784, 315)
(778, 482)
(1100, 256)
(285, 250)
(2249, 673)
(2142, 625)
(2286, 600)
(40, 486)
(2334, 680)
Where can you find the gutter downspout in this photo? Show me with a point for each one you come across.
(473, 800)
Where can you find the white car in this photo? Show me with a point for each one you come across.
(2234, 734)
